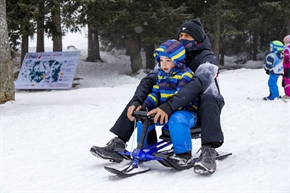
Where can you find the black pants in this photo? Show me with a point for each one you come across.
(209, 117)
(123, 127)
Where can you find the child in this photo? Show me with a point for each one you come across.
(172, 75)
(274, 68)
(286, 65)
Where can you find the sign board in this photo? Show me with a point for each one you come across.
(47, 70)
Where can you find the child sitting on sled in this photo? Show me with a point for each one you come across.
(274, 68)
(172, 75)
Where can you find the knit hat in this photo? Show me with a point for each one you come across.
(277, 45)
(172, 49)
(286, 39)
(193, 28)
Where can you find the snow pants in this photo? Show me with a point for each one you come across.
(179, 125)
(286, 81)
(273, 87)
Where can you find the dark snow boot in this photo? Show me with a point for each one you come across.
(108, 152)
(206, 163)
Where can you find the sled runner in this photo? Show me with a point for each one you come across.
(159, 151)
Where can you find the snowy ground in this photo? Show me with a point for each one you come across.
(46, 137)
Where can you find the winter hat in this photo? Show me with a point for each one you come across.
(277, 45)
(193, 28)
(286, 39)
(172, 49)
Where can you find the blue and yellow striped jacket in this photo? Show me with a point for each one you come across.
(169, 84)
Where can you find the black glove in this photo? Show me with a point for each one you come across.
(267, 72)
(283, 84)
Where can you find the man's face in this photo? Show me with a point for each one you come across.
(185, 36)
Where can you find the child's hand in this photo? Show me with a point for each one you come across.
(161, 117)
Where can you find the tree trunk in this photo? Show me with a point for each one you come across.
(150, 61)
(255, 46)
(288, 26)
(222, 58)
(217, 33)
(262, 41)
(24, 46)
(7, 92)
(40, 27)
(127, 48)
(135, 56)
(97, 55)
(56, 20)
(91, 56)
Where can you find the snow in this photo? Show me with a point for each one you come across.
(46, 136)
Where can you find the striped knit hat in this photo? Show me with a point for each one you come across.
(172, 49)
(277, 45)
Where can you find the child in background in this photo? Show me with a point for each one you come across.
(172, 75)
(286, 66)
(274, 68)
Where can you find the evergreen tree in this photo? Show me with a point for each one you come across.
(144, 22)
(21, 23)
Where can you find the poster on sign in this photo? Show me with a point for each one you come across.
(48, 70)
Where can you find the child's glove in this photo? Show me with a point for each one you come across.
(266, 70)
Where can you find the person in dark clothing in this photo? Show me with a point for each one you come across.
(204, 86)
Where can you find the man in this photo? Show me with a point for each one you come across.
(204, 86)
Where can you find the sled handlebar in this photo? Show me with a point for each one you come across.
(143, 115)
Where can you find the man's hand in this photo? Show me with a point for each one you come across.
(160, 117)
(130, 111)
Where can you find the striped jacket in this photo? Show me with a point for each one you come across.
(169, 84)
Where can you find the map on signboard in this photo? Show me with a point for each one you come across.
(41, 71)
(53, 70)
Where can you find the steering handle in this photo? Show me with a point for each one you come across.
(143, 115)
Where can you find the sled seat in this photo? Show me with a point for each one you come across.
(194, 132)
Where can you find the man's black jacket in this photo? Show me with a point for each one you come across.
(195, 56)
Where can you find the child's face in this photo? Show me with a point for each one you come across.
(166, 64)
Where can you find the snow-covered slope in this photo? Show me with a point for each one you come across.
(46, 137)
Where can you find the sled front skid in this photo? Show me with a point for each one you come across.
(163, 159)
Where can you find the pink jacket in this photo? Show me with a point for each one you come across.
(286, 75)
(286, 61)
